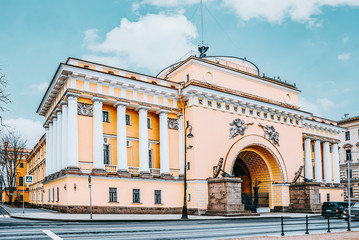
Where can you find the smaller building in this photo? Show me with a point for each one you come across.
(349, 151)
(20, 190)
(36, 162)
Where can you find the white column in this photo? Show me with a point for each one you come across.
(72, 131)
(164, 145)
(51, 149)
(47, 154)
(98, 157)
(336, 168)
(327, 163)
(181, 143)
(308, 159)
(64, 136)
(143, 138)
(54, 145)
(318, 161)
(59, 141)
(121, 137)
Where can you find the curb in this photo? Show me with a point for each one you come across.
(141, 220)
(5, 210)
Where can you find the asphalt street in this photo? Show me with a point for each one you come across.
(11, 228)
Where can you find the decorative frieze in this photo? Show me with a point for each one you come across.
(173, 123)
(85, 109)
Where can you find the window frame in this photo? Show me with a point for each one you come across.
(105, 116)
(112, 192)
(21, 165)
(21, 183)
(348, 154)
(149, 123)
(136, 195)
(158, 196)
(57, 194)
(128, 119)
(108, 154)
(150, 158)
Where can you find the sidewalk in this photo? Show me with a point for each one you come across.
(45, 214)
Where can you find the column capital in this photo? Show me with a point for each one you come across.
(98, 99)
(63, 104)
(72, 95)
(179, 114)
(50, 124)
(142, 107)
(119, 103)
(58, 111)
(161, 111)
(54, 118)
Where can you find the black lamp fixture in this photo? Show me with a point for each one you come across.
(189, 135)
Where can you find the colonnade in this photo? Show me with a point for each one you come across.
(327, 161)
(62, 138)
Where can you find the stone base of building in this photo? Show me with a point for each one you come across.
(145, 175)
(304, 197)
(166, 176)
(121, 210)
(121, 173)
(224, 197)
(98, 172)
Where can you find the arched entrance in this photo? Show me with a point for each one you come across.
(259, 164)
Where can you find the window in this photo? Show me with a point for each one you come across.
(105, 116)
(258, 113)
(21, 181)
(219, 105)
(150, 163)
(21, 198)
(291, 120)
(49, 195)
(53, 195)
(209, 103)
(320, 197)
(312, 147)
(111, 72)
(57, 194)
(278, 118)
(296, 122)
(113, 195)
(251, 111)
(158, 199)
(348, 154)
(243, 110)
(350, 174)
(330, 148)
(86, 66)
(265, 115)
(188, 197)
(128, 119)
(187, 77)
(235, 108)
(200, 101)
(149, 124)
(351, 192)
(347, 135)
(106, 154)
(328, 197)
(272, 116)
(21, 165)
(227, 106)
(136, 196)
(285, 119)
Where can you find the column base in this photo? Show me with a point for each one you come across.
(166, 176)
(98, 172)
(123, 173)
(145, 175)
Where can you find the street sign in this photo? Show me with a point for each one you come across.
(28, 178)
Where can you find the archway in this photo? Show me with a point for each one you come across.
(259, 163)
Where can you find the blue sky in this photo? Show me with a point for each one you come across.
(312, 43)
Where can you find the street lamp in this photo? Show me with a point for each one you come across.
(349, 158)
(189, 135)
(90, 197)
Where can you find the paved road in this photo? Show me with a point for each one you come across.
(11, 228)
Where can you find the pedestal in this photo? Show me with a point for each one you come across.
(304, 197)
(225, 197)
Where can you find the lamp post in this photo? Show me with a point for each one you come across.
(189, 135)
(90, 197)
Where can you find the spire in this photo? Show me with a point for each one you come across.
(202, 48)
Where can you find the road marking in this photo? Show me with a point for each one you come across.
(51, 235)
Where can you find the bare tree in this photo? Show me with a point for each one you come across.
(12, 152)
(4, 95)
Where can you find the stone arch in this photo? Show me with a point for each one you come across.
(263, 148)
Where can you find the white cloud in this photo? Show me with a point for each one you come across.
(344, 57)
(28, 129)
(320, 106)
(40, 87)
(153, 42)
(276, 11)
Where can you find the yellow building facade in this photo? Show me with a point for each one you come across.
(127, 131)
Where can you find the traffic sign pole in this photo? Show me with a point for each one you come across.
(23, 197)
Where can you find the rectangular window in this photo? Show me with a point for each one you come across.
(351, 192)
(106, 154)
(113, 195)
(21, 165)
(227, 106)
(348, 154)
(86, 66)
(347, 135)
(209, 103)
(328, 197)
(320, 198)
(57, 195)
(219, 105)
(105, 116)
(21, 181)
(158, 199)
(128, 119)
(291, 120)
(243, 110)
(235, 108)
(21, 198)
(350, 174)
(265, 115)
(53, 195)
(200, 101)
(136, 196)
(49, 195)
(188, 197)
(251, 111)
(285, 119)
(313, 148)
(150, 162)
(278, 118)
(330, 148)
(149, 123)
(258, 113)
(272, 116)
(187, 77)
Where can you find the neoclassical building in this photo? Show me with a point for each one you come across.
(128, 130)
(349, 151)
